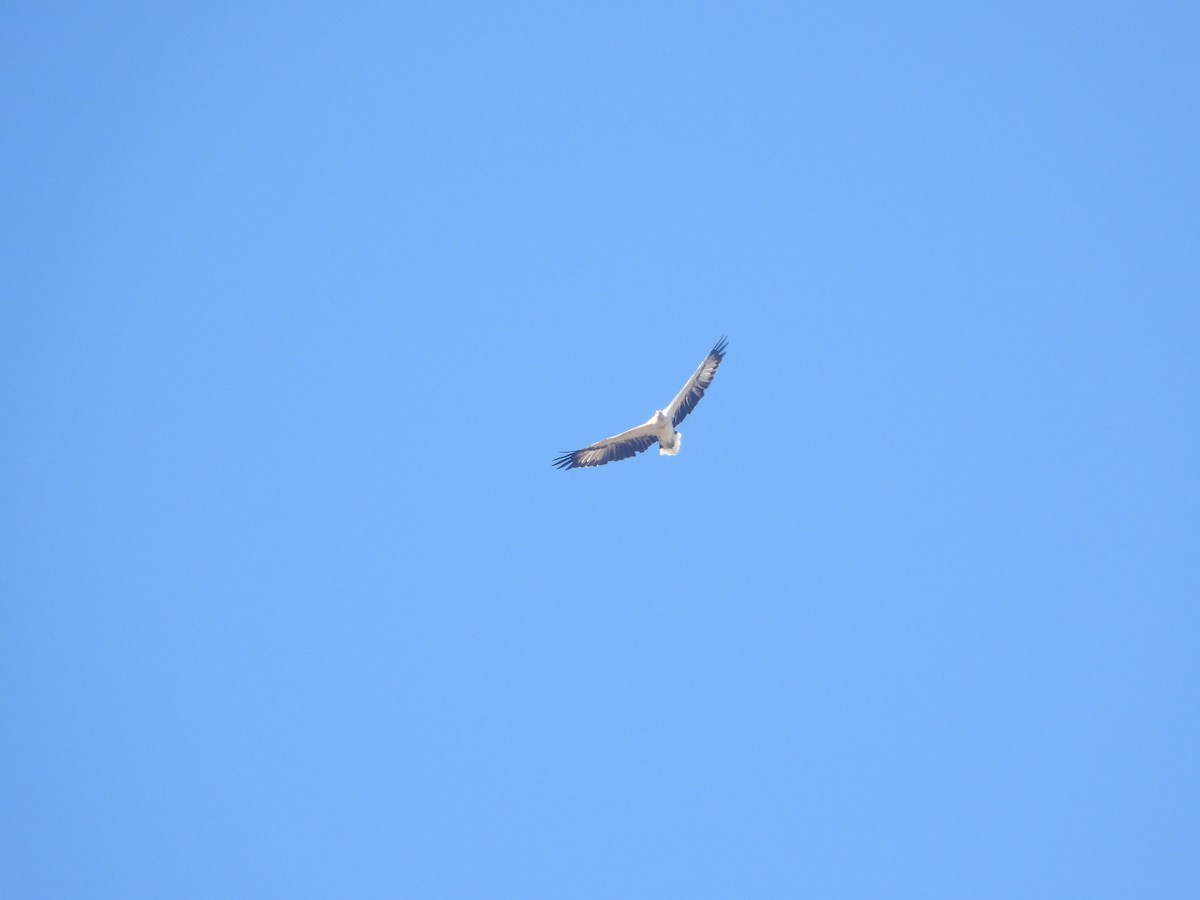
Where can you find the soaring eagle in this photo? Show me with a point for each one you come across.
(661, 426)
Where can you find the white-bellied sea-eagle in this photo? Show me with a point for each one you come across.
(660, 428)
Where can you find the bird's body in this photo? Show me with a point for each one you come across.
(664, 432)
(660, 428)
(668, 438)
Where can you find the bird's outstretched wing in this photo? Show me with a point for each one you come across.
(685, 401)
(622, 446)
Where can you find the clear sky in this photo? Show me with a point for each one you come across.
(300, 301)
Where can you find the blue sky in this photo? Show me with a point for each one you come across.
(300, 302)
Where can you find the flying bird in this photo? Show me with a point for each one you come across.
(660, 427)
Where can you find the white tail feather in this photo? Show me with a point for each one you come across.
(664, 450)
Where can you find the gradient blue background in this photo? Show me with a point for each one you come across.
(299, 302)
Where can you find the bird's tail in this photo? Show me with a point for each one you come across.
(664, 450)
